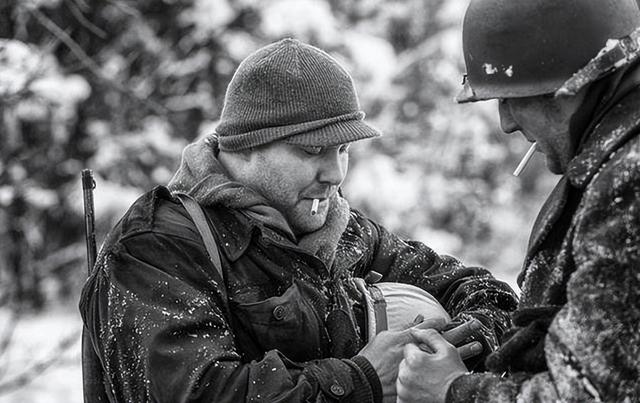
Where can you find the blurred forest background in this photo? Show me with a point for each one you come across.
(121, 86)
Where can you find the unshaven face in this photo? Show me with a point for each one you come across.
(291, 176)
(545, 120)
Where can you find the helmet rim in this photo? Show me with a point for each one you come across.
(521, 48)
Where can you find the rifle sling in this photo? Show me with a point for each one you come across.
(200, 220)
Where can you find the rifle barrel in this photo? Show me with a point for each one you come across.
(92, 377)
(88, 184)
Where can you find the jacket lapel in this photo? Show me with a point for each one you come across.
(549, 214)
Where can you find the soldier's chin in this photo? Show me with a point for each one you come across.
(305, 225)
(554, 166)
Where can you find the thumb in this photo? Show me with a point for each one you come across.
(412, 351)
(421, 323)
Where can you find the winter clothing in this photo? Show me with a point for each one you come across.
(159, 320)
(577, 336)
(295, 91)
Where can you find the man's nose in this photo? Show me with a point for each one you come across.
(333, 167)
(507, 123)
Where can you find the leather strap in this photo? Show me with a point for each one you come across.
(379, 308)
(200, 220)
(202, 224)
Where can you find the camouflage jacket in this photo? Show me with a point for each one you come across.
(577, 337)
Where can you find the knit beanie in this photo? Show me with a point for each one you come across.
(294, 91)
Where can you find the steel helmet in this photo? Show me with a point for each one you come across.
(521, 48)
(391, 306)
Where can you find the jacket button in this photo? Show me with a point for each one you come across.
(279, 312)
(337, 389)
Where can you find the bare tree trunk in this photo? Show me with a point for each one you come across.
(21, 268)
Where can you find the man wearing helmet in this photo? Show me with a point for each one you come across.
(567, 76)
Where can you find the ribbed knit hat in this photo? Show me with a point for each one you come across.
(294, 91)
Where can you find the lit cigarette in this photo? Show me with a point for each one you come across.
(314, 206)
(525, 160)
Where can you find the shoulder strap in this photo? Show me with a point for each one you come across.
(200, 220)
(379, 308)
(375, 305)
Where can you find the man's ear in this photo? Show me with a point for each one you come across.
(236, 163)
(242, 155)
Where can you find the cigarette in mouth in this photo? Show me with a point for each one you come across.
(314, 206)
(525, 160)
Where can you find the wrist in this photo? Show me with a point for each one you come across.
(371, 375)
(451, 385)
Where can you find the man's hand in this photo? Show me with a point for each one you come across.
(386, 350)
(459, 334)
(426, 376)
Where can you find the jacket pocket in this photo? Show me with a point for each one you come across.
(287, 323)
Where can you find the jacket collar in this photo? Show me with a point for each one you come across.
(621, 122)
(234, 230)
(618, 125)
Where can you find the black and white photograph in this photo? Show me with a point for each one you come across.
(359, 201)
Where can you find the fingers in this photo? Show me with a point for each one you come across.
(429, 339)
(424, 377)
(466, 351)
(412, 352)
(409, 373)
(458, 334)
(420, 323)
(425, 348)
(470, 350)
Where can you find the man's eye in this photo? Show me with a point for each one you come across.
(312, 150)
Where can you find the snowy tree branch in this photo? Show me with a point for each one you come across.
(88, 62)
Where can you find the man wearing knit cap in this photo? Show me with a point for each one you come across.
(277, 312)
